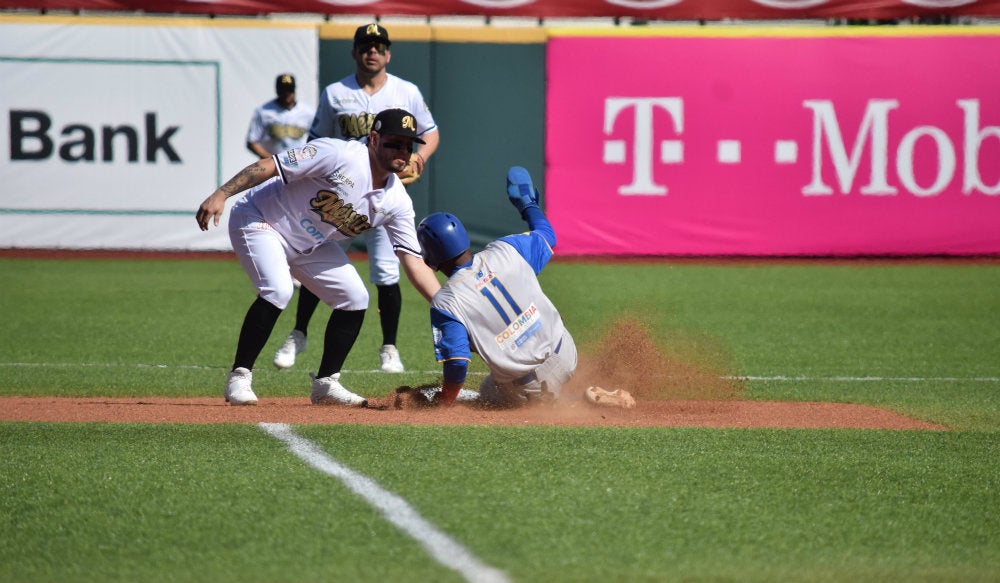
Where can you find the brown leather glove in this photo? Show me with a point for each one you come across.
(413, 170)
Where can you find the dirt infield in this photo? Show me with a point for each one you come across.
(747, 414)
(678, 389)
(696, 388)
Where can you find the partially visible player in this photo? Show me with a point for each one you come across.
(493, 305)
(282, 123)
(300, 204)
(346, 110)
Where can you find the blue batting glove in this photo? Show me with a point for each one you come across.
(520, 190)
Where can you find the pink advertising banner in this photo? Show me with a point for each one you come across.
(640, 9)
(784, 145)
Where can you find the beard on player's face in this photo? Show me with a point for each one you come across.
(391, 160)
(371, 62)
(395, 163)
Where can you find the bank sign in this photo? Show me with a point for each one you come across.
(113, 130)
(775, 144)
(147, 128)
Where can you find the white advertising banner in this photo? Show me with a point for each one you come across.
(114, 130)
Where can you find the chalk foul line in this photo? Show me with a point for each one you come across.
(445, 550)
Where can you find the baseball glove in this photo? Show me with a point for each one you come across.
(412, 172)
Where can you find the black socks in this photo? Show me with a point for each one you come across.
(341, 331)
(257, 326)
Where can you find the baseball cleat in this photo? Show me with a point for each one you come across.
(390, 359)
(604, 398)
(294, 345)
(238, 391)
(329, 391)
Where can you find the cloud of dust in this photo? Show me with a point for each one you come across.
(673, 367)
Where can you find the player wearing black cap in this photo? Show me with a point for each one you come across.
(299, 204)
(346, 111)
(282, 123)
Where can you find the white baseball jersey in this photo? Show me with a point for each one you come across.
(510, 322)
(278, 129)
(345, 111)
(324, 191)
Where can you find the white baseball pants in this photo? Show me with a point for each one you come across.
(271, 264)
(549, 377)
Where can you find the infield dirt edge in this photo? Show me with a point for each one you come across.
(295, 410)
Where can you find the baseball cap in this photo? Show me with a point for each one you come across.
(396, 122)
(285, 80)
(367, 33)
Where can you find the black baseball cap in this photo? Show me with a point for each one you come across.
(396, 122)
(285, 80)
(371, 33)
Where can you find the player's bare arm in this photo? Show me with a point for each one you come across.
(426, 150)
(258, 150)
(249, 177)
(421, 276)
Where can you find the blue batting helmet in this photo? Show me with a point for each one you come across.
(442, 237)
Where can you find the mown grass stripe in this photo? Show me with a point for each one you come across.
(850, 379)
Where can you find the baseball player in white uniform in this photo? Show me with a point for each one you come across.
(346, 110)
(492, 304)
(301, 203)
(282, 123)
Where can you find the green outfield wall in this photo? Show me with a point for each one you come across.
(486, 89)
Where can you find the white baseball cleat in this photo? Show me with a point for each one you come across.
(604, 398)
(238, 391)
(294, 345)
(329, 391)
(390, 359)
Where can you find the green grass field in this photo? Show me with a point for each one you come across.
(192, 503)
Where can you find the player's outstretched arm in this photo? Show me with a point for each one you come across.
(249, 177)
(521, 192)
(524, 196)
(421, 276)
(427, 149)
(258, 149)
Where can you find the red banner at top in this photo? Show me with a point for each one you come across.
(636, 9)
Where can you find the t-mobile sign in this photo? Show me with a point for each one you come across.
(791, 145)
